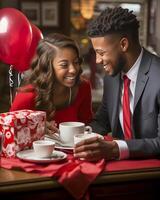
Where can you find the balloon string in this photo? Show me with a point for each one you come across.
(11, 83)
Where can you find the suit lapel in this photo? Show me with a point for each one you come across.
(142, 77)
(116, 100)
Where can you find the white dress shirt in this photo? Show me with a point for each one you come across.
(132, 75)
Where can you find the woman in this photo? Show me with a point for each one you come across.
(55, 84)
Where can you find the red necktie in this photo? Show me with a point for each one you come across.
(126, 109)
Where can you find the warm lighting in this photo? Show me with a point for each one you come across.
(87, 8)
(78, 22)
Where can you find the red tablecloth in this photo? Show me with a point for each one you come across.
(74, 174)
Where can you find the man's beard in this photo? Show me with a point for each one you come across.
(120, 66)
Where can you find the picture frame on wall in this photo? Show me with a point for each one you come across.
(32, 11)
(50, 13)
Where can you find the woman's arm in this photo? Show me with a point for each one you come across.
(23, 100)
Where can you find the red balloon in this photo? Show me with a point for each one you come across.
(24, 63)
(15, 35)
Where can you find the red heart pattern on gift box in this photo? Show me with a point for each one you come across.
(20, 129)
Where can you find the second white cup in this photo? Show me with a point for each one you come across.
(80, 137)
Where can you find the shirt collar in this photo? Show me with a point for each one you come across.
(133, 72)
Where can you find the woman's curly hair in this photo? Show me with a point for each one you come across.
(114, 20)
(42, 75)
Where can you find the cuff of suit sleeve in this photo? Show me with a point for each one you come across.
(123, 149)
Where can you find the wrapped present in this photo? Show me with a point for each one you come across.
(20, 129)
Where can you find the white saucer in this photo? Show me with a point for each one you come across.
(59, 144)
(64, 147)
(29, 155)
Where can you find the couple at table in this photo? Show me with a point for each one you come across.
(130, 106)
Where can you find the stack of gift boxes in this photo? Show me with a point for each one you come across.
(20, 129)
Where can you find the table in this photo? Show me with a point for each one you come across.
(133, 184)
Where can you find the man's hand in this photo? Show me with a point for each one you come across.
(94, 149)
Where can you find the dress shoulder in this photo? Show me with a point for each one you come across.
(24, 99)
(85, 85)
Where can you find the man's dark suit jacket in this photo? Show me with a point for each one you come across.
(146, 112)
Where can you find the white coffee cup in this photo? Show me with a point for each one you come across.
(43, 148)
(80, 137)
(69, 129)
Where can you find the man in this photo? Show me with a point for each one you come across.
(130, 108)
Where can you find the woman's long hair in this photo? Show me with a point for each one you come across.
(42, 75)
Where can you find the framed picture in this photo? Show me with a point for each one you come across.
(31, 11)
(50, 13)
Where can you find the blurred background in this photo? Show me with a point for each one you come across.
(71, 17)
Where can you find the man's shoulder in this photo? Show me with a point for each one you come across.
(151, 55)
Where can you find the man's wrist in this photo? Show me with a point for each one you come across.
(123, 149)
(115, 151)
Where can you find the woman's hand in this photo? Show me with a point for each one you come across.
(51, 128)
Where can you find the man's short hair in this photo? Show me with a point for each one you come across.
(114, 20)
